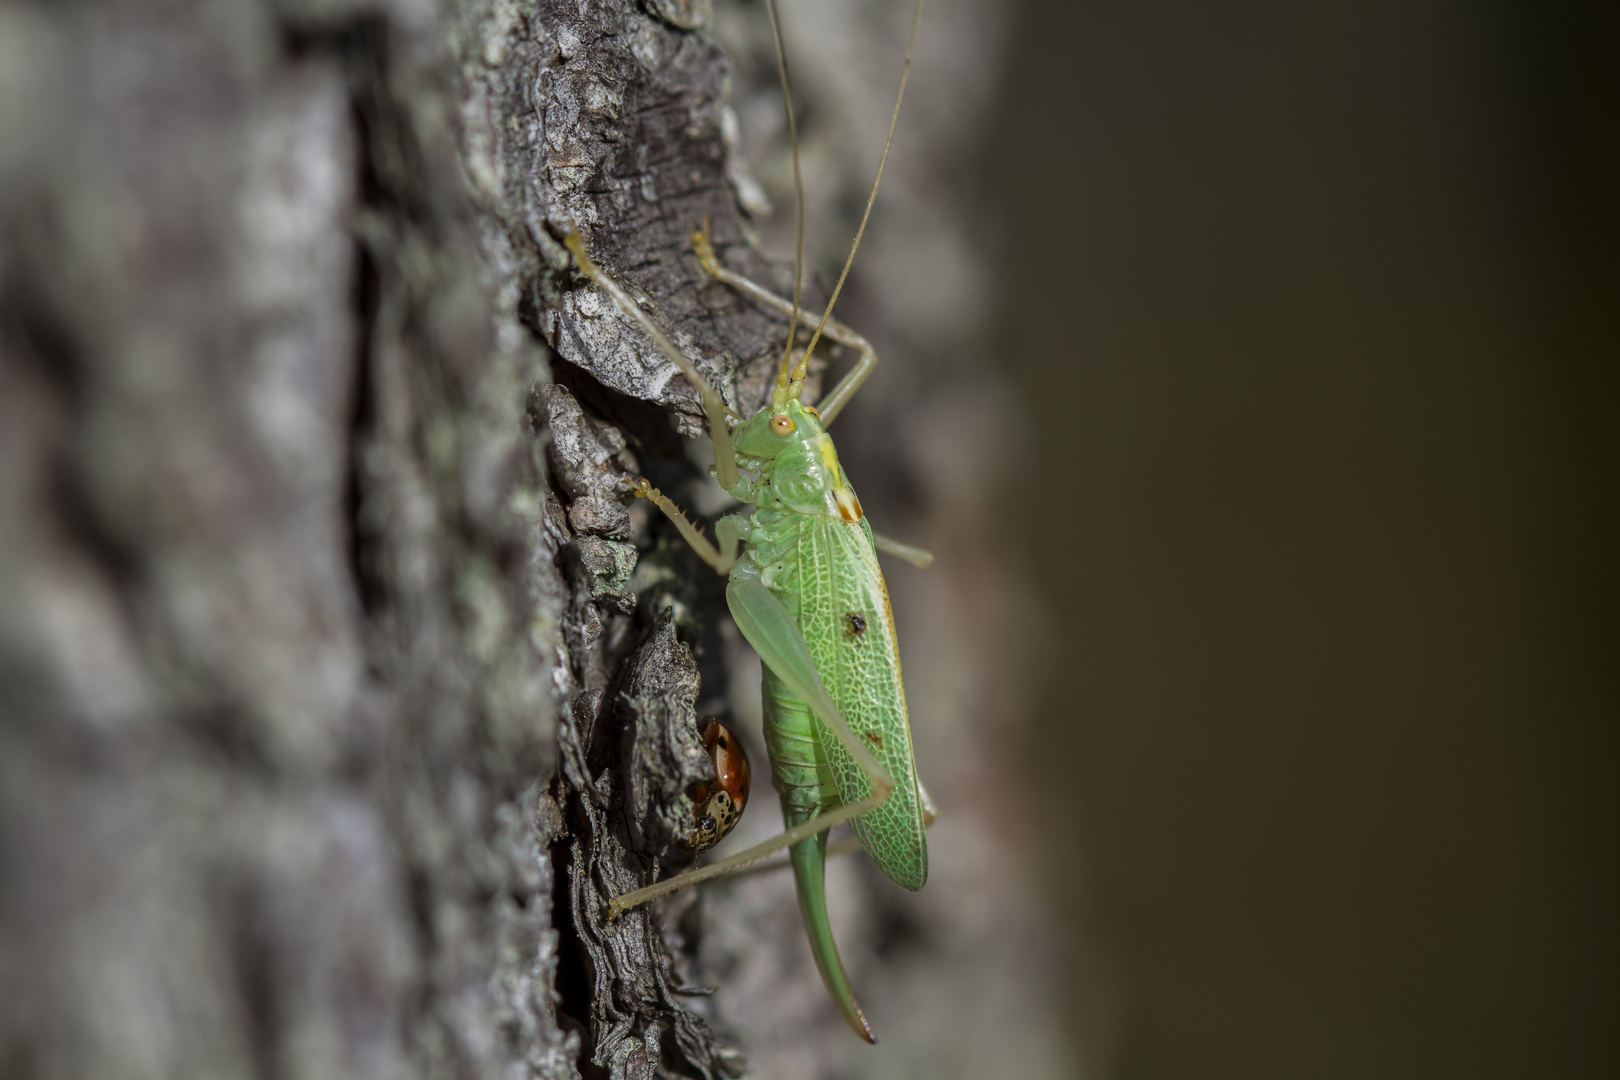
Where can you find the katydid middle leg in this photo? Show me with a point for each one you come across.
(722, 555)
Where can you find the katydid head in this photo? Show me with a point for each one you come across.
(776, 427)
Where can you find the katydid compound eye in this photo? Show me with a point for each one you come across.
(781, 424)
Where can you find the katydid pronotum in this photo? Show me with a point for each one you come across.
(806, 592)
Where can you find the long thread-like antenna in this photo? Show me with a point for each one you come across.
(783, 373)
(894, 120)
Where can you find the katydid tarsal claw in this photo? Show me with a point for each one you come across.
(806, 592)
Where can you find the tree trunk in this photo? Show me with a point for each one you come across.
(342, 682)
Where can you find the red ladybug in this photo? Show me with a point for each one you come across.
(720, 804)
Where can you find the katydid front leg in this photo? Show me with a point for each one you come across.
(831, 404)
(725, 459)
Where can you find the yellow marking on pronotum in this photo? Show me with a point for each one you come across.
(849, 507)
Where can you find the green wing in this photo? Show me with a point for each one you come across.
(834, 574)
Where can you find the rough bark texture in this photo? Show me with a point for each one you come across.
(341, 685)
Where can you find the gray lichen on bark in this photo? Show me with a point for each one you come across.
(277, 709)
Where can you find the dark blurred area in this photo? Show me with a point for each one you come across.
(1314, 309)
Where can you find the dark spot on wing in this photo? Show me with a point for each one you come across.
(857, 623)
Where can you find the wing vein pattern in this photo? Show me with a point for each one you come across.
(844, 614)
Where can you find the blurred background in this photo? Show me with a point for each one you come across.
(1314, 312)
(1254, 368)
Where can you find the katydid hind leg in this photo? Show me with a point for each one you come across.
(847, 845)
(851, 844)
(770, 629)
(786, 839)
(768, 626)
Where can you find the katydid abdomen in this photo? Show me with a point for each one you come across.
(825, 572)
(803, 778)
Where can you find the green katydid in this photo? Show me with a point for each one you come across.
(806, 592)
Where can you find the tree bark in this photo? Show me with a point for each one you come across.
(342, 684)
